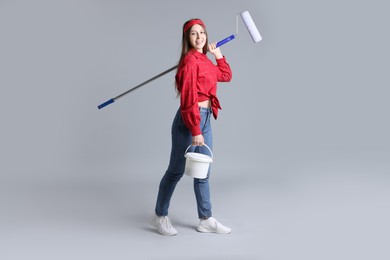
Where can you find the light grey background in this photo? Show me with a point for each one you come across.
(302, 151)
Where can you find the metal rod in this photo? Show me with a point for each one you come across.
(112, 100)
(146, 82)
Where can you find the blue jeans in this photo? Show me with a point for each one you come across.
(181, 139)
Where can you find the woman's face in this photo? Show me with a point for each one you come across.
(198, 37)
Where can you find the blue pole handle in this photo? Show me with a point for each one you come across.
(227, 39)
(106, 103)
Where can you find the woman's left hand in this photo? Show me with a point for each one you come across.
(214, 50)
(198, 140)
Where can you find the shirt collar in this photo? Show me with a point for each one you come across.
(198, 54)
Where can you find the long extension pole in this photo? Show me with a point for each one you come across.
(252, 29)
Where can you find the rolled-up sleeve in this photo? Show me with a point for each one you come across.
(224, 73)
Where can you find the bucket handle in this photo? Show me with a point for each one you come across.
(204, 145)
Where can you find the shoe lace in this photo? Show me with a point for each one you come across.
(167, 222)
(217, 225)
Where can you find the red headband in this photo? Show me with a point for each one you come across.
(191, 23)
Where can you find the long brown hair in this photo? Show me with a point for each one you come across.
(186, 44)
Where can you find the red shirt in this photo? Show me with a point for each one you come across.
(196, 80)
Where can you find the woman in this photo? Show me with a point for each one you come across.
(196, 83)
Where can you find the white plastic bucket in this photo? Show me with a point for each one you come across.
(197, 164)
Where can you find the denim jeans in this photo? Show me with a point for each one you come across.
(181, 139)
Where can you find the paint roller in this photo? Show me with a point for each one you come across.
(251, 27)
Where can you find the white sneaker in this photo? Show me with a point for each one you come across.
(211, 225)
(163, 225)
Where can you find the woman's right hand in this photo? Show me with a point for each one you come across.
(213, 49)
(198, 140)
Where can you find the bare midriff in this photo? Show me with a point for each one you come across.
(205, 103)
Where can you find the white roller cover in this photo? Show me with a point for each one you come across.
(250, 25)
